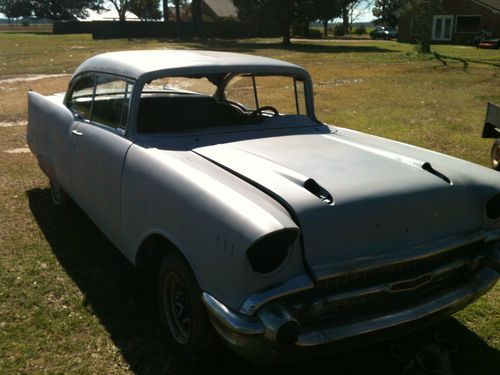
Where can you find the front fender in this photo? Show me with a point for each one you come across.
(210, 215)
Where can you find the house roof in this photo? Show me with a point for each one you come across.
(107, 15)
(222, 8)
(149, 63)
(491, 4)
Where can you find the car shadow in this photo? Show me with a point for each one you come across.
(26, 32)
(115, 293)
(245, 46)
(303, 47)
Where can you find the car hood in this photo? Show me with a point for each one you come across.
(356, 196)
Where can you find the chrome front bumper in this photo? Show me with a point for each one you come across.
(274, 335)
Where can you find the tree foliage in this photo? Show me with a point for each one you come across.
(385, 11)
(146, 9)
(268, 11)
(16, 8)
(288, 12)
(121, 6)
(64, 9)
(327, 10)
(51, 9)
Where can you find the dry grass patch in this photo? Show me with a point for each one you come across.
(13, 95)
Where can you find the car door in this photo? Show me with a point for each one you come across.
(100, 148)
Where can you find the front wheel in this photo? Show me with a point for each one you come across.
(183, 316)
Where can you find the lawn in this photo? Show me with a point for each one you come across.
(70, 303)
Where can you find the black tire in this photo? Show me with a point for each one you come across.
(185, 323)
(495, 156)
(60, 198)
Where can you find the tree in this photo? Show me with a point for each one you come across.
(326, 10)
(121, 6)
(16, 8)
(145, 9)
(51, 9)
(423, 16)
(197, 17)
(166, 11)
(346, 9)
(385, 11)
(281, 12)
(428, 10)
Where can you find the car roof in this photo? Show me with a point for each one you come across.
(148, 63)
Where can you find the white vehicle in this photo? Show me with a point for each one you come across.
(285, 236)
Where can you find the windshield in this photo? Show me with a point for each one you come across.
(180, 104)
(285, 94)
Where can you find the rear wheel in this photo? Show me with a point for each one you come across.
(60, 198)
(183, 316)
(495, 156)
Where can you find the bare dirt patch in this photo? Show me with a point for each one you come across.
(20, 150)
(30, 77)
(11, 124)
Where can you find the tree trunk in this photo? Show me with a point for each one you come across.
(306, 29)
(286, 35)
(178, 17)
(165, 11)
(177, 11)
(196, 15)
(345, 16)
(287, 22)
(427, 26)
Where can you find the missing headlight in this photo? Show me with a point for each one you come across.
(493, 207)
(269, 252)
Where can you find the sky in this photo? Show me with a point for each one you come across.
(364, 13)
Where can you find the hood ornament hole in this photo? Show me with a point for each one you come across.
(314, 188)
(428, 167)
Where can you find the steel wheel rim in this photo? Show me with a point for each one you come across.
(177, 308)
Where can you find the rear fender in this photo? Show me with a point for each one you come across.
(49, 126)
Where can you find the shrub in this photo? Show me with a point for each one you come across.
(315, 34)
(360, 30)
(339, 30)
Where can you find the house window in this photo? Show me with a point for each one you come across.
(442, 28)
(468, 24)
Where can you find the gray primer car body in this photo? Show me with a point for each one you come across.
(213, 194)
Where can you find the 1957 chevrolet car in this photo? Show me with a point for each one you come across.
(261, 225)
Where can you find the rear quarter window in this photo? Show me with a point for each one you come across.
(80, 100)
(111, 102)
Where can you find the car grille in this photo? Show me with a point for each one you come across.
(408, 280)
(414, 266)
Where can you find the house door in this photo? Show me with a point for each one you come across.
(442, 28)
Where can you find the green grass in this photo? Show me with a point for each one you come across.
(70, 303)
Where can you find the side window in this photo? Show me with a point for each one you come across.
(111, 102)
(81, 97)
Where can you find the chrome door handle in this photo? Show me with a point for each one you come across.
(76, 132)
